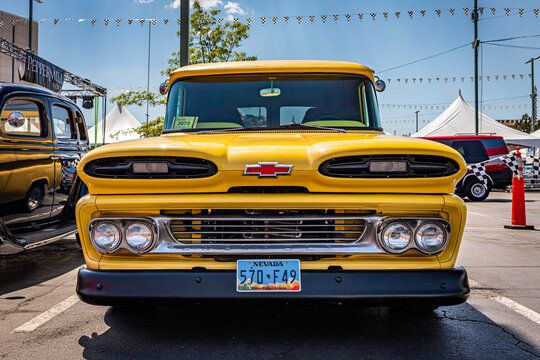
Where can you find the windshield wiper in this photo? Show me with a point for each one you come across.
(288, 126)
(294, 126)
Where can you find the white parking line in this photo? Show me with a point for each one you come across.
(511, 304)
(486, 215)
(47, 315)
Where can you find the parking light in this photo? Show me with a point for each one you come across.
(387, 166)
(150, 168)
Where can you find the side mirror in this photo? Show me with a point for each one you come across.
(16, 120)
(380, 85)
(163, 88)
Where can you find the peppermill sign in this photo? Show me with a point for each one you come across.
(40, 71)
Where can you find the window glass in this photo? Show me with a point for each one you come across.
(292, 114)
(80, 125)
(63, 123)
(269, 100)
(472, 151)
(22, 117)
(253, 116)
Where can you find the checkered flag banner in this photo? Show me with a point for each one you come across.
(479, 170)
(512, 162)
(536, 167)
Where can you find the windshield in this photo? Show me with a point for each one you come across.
(266, 101)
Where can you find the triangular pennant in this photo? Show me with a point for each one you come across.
(235, 20)
(154, 21)
(220, 21)
(42, 20)
(373, 16)
(274, 19)
(536, 12)
(165, 21)
(507, 11)
(55, 21)
(323, 17)
(481, 10)
(178, 22)
(520, 11)
(141, 21)
(106, 21)
(493, 10)
(263, 20)
(397, 14)
(286, 18)
(385, 14)
(93, 22)
(348, 16)
(496, 77)
(130, 21)
(361, 16)
(118, 22)
(14, 22)
(299, 19)
(335, 17)
(466, 11)
(423, 12)
(311, 18)
(248, 20)
(1, 23)
(410, 13)
(452, 11)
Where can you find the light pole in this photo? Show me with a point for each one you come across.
(476, 44)
(416, 112)
(30, 27)
(184, 32)
(533, 93)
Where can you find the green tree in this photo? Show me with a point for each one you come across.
(524, 124)
(209, 41)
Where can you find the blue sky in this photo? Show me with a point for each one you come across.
(114, 56)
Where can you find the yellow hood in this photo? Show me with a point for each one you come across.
(304, 150)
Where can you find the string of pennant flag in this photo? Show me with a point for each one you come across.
(274, 20)
(442, 107)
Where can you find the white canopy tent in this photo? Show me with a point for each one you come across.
(119, 119)
(536, 133)
(458, 118)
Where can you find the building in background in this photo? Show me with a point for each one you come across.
(16, 32)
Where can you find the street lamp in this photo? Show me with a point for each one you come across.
(30, 14)
(533, 92)
(416, 112)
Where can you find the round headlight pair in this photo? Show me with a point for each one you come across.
(429, 238)
(107, 236)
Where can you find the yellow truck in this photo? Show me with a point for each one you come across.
(272, 180)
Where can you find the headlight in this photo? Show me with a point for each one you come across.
(106, 236)
(430, 238)
(139, 236)
(396, 236)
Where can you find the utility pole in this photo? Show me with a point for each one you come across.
(30, 15)
(148, 73)
(533, 93)
(416, 112)
(476, 44)
(184, 32)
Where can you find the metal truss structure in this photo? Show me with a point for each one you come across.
(86, 86)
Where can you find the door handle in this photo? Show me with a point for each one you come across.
(55, 157)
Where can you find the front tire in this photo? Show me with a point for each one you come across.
(33, 197)
(476, 191)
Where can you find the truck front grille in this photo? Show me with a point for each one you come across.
(267, 227)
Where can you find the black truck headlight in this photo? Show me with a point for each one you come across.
(430, 238)
(396, 237)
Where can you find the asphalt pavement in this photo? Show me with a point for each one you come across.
(41, 317)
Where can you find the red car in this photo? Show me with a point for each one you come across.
(475, 149)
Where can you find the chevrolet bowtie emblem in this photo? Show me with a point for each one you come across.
(268, 169)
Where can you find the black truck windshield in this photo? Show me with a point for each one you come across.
(269, 101)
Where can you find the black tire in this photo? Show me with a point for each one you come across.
(33, 197)
(476, 191)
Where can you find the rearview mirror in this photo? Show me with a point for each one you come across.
(16, 119)
(379, 85)
(163, 88)
(270, 92)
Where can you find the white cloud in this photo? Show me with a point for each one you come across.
(205, 4)
(144, 1)
(234, 8)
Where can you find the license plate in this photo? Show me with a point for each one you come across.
(267, 275)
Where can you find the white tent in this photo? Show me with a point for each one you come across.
(119, 119)
(458, 118)
(536, 133)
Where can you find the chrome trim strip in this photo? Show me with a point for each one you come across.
(368, 242)
(48, 241)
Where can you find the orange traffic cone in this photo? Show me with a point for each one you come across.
(519, 219)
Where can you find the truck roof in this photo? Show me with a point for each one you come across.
(272, 66)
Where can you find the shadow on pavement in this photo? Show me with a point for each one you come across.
(32, 267)
(300, 332)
